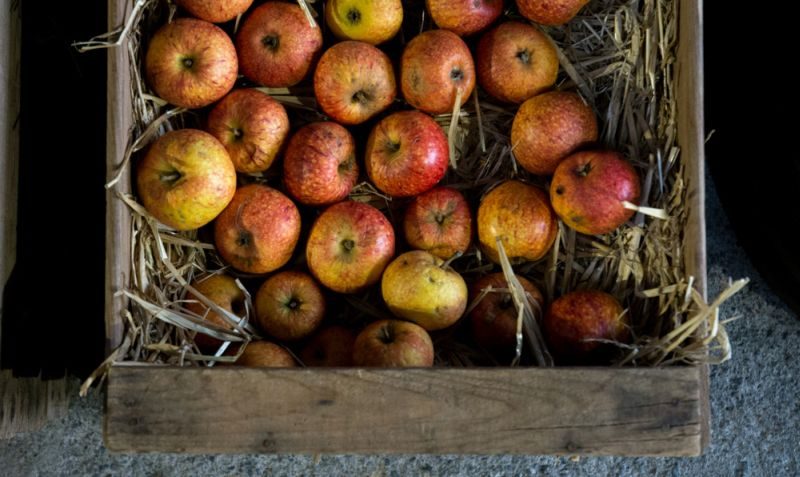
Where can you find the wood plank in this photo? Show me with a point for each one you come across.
(118, 219)
(691, 137)
(594, 411)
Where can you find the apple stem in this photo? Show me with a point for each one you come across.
(451, 133)
(307, 12)
(651, 211)
(450, 260)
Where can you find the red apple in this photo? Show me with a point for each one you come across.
(589, 188)
(464, 17)
(319, 166)
(549, 127)
(252, 126)
(393, 343)
(258, 230)
(494, 318)
(434, 66)
(191, 63)
(223, 291)
(289, 305)
(418, 286)
(550, 12)
(406, 154)
(349, 246)
(354, 81)
(186, 179)
(521, 216)
(370, 21)
(577, 318)
(440, 222)
(264, 354)
(277, 46)
(516, 61)
(331, 346)
(215, 11)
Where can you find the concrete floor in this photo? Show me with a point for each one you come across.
(755, 407)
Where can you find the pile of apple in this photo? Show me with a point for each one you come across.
(188, 177)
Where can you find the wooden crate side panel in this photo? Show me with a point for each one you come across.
(691, 137)
(596, 411)
(118, 219)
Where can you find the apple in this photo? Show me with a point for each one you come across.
(589, 189)
(258, 230)
(354, 81)
(319, 166)
(289, 305)
(464, 17)
(215, 11)
(549, 127)
(521, 216)
(515, 61)
(265, 354)
(550, 12)
(277, 46)
(252, 127)
(331, 346)
(494, 319)
(223, 291)
(406, 154)
(575, 319)
(440, 222)
(435, 65)
(186, 179)
(370, 21)
(393, 343)
(191, 63)
(349, 246)
(420, 287)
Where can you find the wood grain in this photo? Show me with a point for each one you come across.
(118, 219)
(691, 137)
(512, 410)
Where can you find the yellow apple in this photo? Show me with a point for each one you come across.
(370, 21)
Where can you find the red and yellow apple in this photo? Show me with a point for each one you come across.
(191, 63)
(252, 126)
(520, 215)
(419, 287)
(549, 127)
(222, 290)
(215, 11)
(258, 230)
(440, 222)
(354, 81)
(590, 188)
(393, 343)
(464, 17)
(289, 305)
(186, 179)
(576, 320)
(319, 167)
(331, 346)
(435, 65)
(265, 354)
(349, 246)
(406, 154)
(276, 44)
(515, 61)
(494, 318)
(370, 21)
(550, 12)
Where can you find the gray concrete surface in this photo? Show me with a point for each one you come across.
(755, 406)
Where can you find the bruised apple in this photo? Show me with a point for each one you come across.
(258, 230)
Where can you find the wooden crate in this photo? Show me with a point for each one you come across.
(595, 411)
